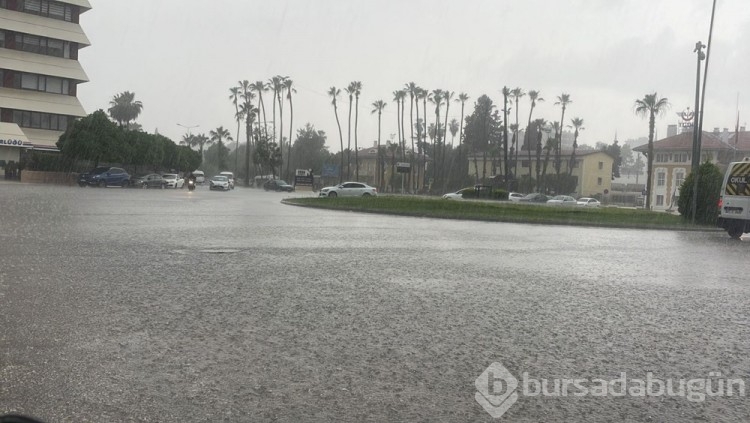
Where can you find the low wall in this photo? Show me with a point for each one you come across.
(57, 178)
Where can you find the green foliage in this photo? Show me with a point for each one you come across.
(309, 150)
(125, 109)
(562, 184)
(526, 183)
(96, 139)
(709, 189)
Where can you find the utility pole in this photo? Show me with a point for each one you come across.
(696, 162)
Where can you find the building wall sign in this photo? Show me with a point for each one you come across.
(687, 116)
(12, 142)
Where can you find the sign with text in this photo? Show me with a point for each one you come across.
(403, 167)
(11, 142)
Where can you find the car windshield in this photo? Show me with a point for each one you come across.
(169, 176)
(99, 170)
(220, 178)
(281, 182)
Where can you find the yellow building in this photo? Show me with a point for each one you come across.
(368, 168)
(592, 169)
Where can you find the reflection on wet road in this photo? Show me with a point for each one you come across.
(154, 305)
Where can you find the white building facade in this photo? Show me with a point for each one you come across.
(39, 73)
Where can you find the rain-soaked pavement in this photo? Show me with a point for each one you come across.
(152, 305)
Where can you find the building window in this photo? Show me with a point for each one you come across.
(46, 46)
(601, 165)
(40, 120)
(681, 157)
(659, 200)
(679, 178)
(598, 181)
(48, 84)
(660, 179)
(49, 8)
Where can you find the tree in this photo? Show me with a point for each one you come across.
(309, 149)
(124, 108)
(652, 106)
(94, 138)
(437, 100)
(480, 130)
(260, 87)
(577, 126)
(562, 100)
(217, 137)
(378, 107)
(289, 90)
(448, 95)
(517, 93)
(234, 95)
(249, 112)
(506, 93)
(334, 93)
(709, 191)
(397, 97)
(534, 97)
(462, 98)
(350, 91)
(357, 85)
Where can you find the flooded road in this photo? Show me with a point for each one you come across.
(165, 305)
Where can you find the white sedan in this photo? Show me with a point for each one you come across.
(173, 180)
(562, 200)
(458, 195)
(588, 202)
(349, 189)
(515, 196)
(219, 182)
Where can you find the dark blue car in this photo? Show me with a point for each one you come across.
(105, 176)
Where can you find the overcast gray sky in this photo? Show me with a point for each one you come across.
(181, 57)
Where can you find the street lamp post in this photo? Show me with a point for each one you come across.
(696, 162)
(188, 127)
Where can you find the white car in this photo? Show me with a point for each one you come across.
(230, 177)
(219, 182)
(588, 202)
(515, 196)
(173, 180)
(562, 200)
(349, 189)
(458, 195)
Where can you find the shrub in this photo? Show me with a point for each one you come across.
(709, 188)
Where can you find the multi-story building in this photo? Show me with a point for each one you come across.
(39, 73)
(592, 169)
(673, 158)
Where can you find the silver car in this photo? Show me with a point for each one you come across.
(349, 189)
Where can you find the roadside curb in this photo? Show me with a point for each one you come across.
(289, 202)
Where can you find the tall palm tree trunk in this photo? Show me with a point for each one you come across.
(291, 133)
(349, 143)
(650, 168)
(356, 145)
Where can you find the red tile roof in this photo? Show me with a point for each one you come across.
(684, 141)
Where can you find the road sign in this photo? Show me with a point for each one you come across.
(403, 167)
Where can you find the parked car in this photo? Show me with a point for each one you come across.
(230, 178)
(173, 180)
(458, 195)
(562, 200)
(152, 180)
(277, 185)
(534, 197)
(104, 176)
(349, 189)
(588, 202)
(200, 177)
(219, 182)
(515, 196)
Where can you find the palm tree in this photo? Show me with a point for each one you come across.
(534, 97)
(454, 128)
(393, 148)
(562, 100)
(448, 96)
(234, 95)
(541, 126)
(411, 88)
(506, 93)
(124, 108)
(578, 126)
(248, 111)
(378, 107)
(424, 95)
(260, 87)
(397, 100)
(517, 93)
(201, 140)
(462, 98)
(334, 93)
(651, 105)
(217, 136)
(357, 91)
(350, 91)
(437, 100)
(289, 90)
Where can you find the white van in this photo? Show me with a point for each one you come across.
(200, 177)
(229, 176)
(734, 200)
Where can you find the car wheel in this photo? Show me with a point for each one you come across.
(125, 183)
(82, 185)
(103, 184)
(366, 194)
(144, 185)
(735, 231)
(332, 194)
(162, 186)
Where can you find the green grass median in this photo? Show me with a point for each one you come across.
(502, 212)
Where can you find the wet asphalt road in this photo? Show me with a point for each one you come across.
(151, 305)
